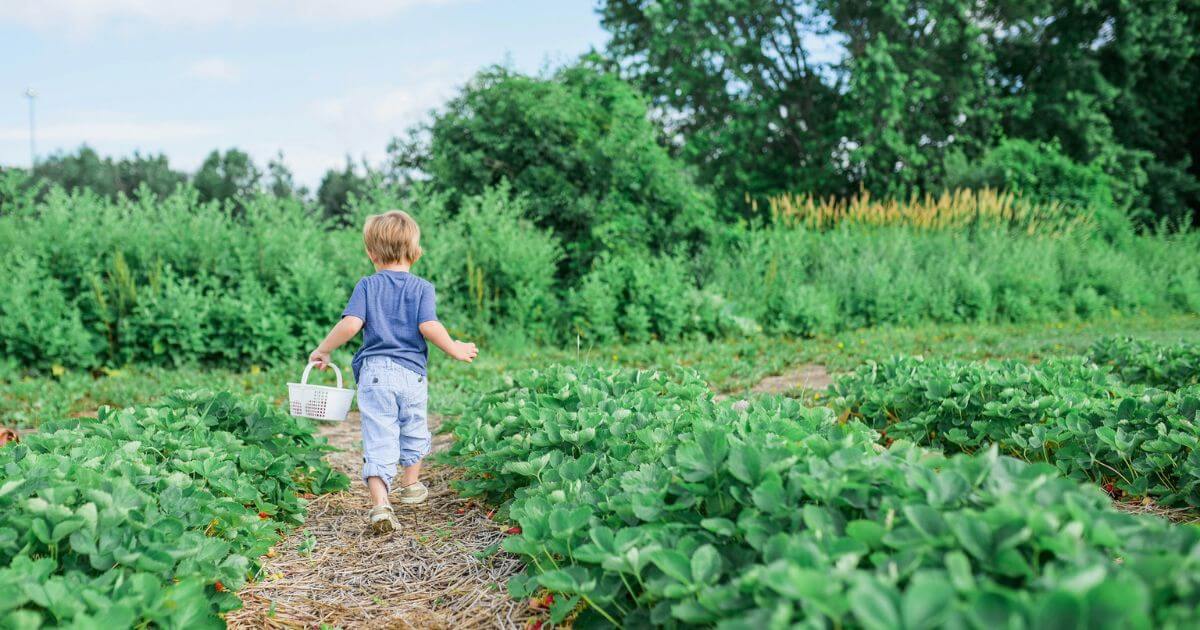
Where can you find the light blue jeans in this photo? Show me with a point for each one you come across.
(392, 400)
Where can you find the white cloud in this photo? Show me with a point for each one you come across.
(89, 15)
(214, 68)
(371, 116)
(396, 107)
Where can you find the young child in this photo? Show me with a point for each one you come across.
(397, 313)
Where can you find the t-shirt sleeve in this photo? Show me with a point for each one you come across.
(357, 306)
(427, 307)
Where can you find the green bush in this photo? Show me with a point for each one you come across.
(796, 281)
(580, 147)
(494, 270)
(174, 282)
(639, 298)
(1037, 170)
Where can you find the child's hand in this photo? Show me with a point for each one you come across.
(320, 358)
(464, 351)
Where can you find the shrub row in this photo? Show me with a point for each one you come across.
(641, 501)
(149, 516)
(94, 283)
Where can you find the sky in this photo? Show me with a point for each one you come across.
(316, 79)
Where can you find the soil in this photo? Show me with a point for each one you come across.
(809, 376)
(440, 570)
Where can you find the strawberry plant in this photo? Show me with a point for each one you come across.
(1168, 366)
(641, 501)
(149, 516)
(1066, 412)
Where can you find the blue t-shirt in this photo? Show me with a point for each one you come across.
(392, 304)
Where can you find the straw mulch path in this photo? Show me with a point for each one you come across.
(433, 573)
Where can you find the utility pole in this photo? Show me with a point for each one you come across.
(31, 95)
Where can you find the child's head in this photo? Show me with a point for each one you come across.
(392, 237)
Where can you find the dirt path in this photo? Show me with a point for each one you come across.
(430, 574)
(809, 376)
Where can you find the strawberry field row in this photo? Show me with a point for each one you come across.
(1134, 440)
(1168, 366)
(149, 516)
(641, 501)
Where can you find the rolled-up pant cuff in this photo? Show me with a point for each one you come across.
(384, 471)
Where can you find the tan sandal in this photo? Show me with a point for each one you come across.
(383, 519)
(413, 493)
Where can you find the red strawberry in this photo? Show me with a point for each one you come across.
(549, 599)
(263, 515)
(515, 529)
(219, 586)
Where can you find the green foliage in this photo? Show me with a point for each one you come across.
(1038, 171)
(1167, 366)
(176, 282)
(231, 175)
(170, 282)
(638, 299)
(86, 170)
(1067, 413)
(752, 103)
(792, 280)
(493, 269)
(643, 502)
(338, 188)
(579, 147)
(281, 182)
(774, 96)
(136, 517)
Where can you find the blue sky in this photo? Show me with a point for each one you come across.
(315, 79)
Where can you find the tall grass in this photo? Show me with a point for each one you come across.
(800, 281)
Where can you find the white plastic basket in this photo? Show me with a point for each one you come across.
(320, 402)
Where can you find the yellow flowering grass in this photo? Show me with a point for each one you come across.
(950, 210)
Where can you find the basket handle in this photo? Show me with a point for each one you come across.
(309, 367)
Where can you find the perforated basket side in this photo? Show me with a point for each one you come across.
(319, 403)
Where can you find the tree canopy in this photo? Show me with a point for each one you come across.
(579, 146)
(763, 107)
(86, 169)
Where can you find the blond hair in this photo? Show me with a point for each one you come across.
(392, 237)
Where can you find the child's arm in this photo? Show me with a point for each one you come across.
(436, 333)
(342, 332)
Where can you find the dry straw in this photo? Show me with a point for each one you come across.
(951, 210)
(439, 571)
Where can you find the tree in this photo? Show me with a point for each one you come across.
(1112, 84)
(755, 107)
(86, 169)
(337, 187)
(579, 146)
(1115, 83)
(227, 176)
(280, 181)
(918, 86)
